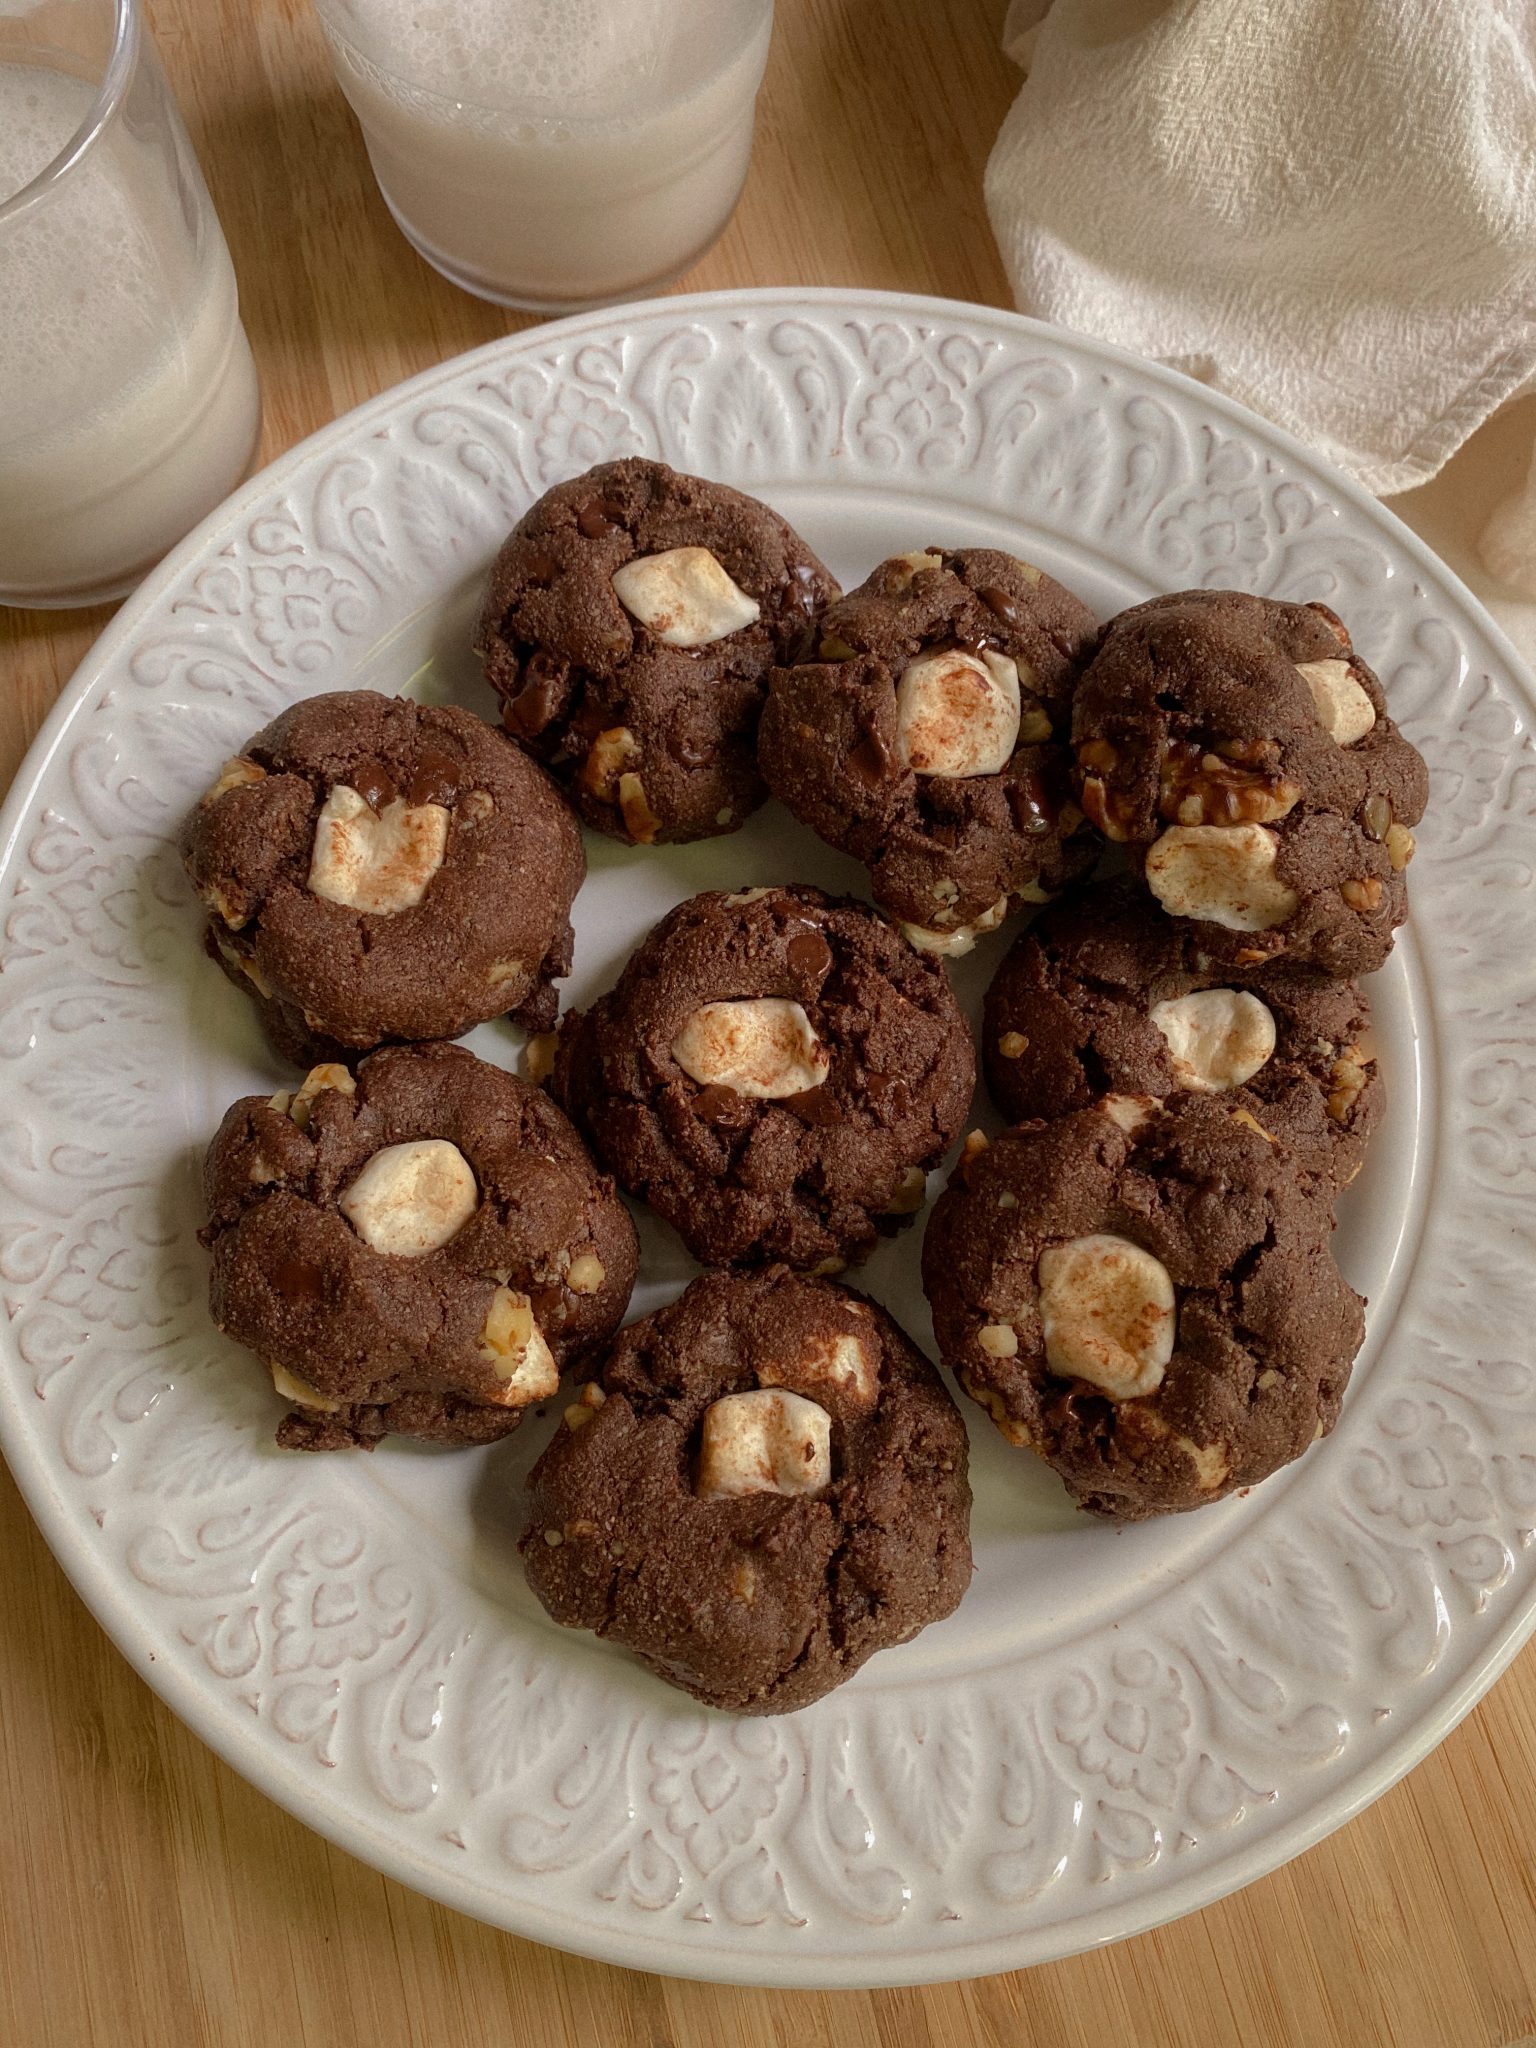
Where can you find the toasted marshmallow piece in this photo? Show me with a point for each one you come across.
(1221, 874)
(1108, 1312)
(957, 714)
(765, 1441)
(1218, 1038)
(762, 1046)
(684, 597)
(411, 1198)
(1342, 705)
(376, 861)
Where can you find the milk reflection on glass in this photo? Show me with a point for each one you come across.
(554, 153)
(128, 399)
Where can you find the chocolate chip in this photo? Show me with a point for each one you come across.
(597, 518)
(890, 1097)
(870, 760)
(374, 784)
(535, 704)
(809, 956)
(1035, 808)
(434, 778)
(1001, 605)
(718, 1104)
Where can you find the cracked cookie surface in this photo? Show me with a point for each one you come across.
(1155, 1311)
(928, 740)
(375, 870)
(633, 616)
(414, 1250)
(1243, 753)
(654, 1521)
(1095, 999)
(774, 1073)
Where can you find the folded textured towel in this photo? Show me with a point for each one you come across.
(1325, 207)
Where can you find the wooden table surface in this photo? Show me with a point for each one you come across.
(147, 1894)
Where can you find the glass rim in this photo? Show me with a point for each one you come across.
(346, 31)
(115, 81)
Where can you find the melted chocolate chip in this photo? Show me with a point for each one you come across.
(535, 704)
(298, 1279)
(374, 784)
(598, 518)
(718, 1104)
(1001, 605)
(815, 1106)
(809, 956)
(1035, 807)
(804, 589)
(434, 778)
(870, 761)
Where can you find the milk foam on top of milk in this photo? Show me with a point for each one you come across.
(541, 54)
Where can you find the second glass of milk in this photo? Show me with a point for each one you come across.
(128, 399)
(552, 154)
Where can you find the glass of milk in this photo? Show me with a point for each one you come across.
(128, 399)
(552, 154)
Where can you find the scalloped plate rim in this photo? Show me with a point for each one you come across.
(171, 1677)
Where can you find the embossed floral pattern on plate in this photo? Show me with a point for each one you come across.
(1202, 1701)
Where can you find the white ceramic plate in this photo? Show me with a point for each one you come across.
(1118, 1725)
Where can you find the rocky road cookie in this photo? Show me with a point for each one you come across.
(1156, 1311)
(415, 1251)
(632, 619)
(1105, 995)
(376, 870)
(1244, 753)
(926, 741)
(774, 1073)
(765, 1485)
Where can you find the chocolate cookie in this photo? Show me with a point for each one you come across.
(632, 619)
(376, 870)
(774, 1073)
(415, 1251)
(1244, 753)
(926, 741)
(765, 1485)
(1104, 995)
(1155, 1310)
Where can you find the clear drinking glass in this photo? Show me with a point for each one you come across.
(128, 398)
(552, 154)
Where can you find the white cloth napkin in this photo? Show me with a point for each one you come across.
(1325, 207)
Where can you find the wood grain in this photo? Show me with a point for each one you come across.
(151, 1897)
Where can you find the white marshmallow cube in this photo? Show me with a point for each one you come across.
(764, 1441)
(1107, 1307)
(762, 1046)
(376, 861)
(1221, 874)
(684, 597)
(957, 714)
(412, 1198)
(1217, 1038)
